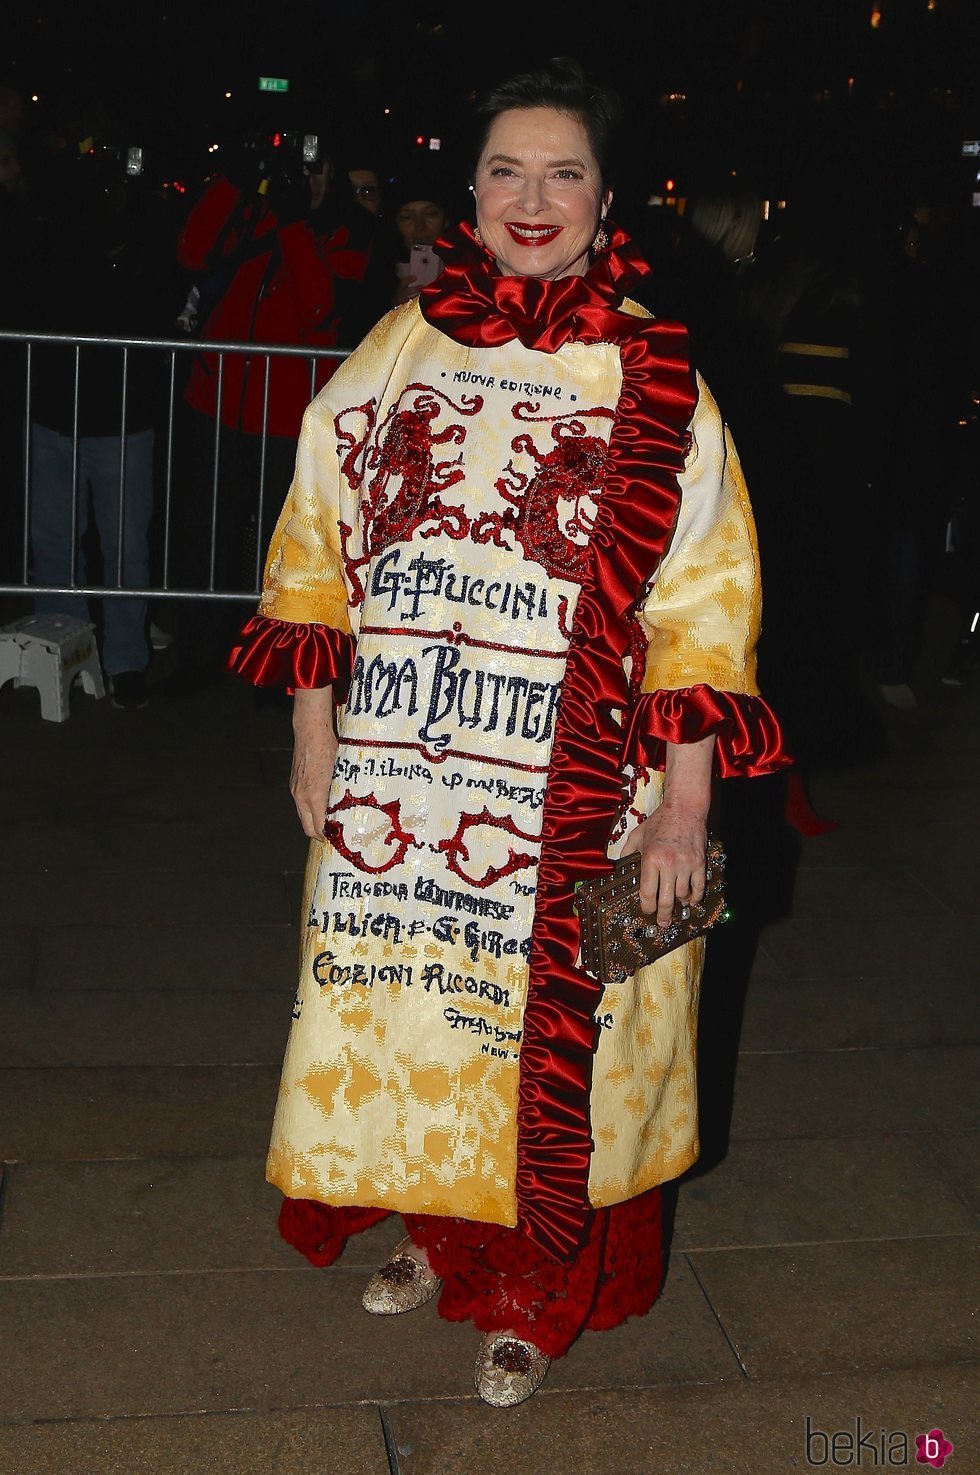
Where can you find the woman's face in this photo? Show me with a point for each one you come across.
(539, 194)
(420, 221)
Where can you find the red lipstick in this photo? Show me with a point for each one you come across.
(532, 235)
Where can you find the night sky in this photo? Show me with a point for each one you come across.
(799, 100)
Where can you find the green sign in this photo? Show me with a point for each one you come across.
(273, 84)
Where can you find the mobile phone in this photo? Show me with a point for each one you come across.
(424, 264)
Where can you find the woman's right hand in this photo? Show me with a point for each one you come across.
(314, 756)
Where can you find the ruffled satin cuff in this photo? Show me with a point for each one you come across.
(294, 655)
(749, 738)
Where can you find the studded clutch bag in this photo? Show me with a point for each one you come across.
(618, 937)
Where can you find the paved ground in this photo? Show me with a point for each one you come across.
(152, 1321)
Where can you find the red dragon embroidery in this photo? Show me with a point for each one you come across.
(404, 481)
(629, 815)
(573, 471)
(351, 442)
(333, 829)
(455, 848)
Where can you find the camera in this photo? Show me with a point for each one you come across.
(102, 177)
(279, 157)
(125, 162)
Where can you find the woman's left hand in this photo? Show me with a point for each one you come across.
(672, 844)
(408, 287)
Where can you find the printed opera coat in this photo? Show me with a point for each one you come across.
(428, 561)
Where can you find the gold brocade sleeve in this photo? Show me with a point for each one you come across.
(303, 571)
(702, 613)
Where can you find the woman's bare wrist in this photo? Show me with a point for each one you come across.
(313, 711)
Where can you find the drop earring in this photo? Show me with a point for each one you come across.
(601, 240)
(476, 229)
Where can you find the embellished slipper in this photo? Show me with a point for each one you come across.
(402, 1284)
(508, 1370)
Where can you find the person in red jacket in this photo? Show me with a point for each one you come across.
(279, 257)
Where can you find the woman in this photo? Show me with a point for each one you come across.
(420, 218)
(518, 548)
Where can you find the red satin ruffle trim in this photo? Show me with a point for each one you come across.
(474, 305)
(633, 526)
(749, 740)
(293, 654)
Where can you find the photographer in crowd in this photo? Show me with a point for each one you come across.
(278, 256)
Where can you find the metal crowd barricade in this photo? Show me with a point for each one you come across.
(171, 347)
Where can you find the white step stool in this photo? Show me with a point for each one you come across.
(49, 652)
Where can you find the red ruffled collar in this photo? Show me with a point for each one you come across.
(474, 304)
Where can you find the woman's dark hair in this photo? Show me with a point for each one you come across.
(563, 85)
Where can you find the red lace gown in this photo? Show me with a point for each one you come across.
(500, 1280)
